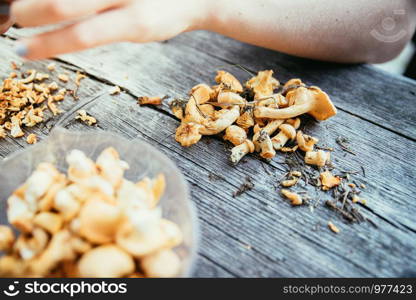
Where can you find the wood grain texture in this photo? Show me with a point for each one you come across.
(259, 233)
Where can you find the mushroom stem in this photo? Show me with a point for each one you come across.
(238, 152)
(226, 120)
(270, 128)
(287, 132)
(305, 100)
(284, 113)
(266, 145)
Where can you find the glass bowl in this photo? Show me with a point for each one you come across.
(144, 160)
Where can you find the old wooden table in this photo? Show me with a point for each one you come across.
(258, 233)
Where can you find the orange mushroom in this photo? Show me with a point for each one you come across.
(306, 100)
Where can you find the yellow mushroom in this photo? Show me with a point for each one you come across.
(161, 264)
(66, 204)
(238, 152)
(56, 252)
(49, 221)
(207, 110)
(18, 214)
(6, 238)
(305, 142)
(287, 132)
(236, 135)
(80, 166)
(318, 158)
(246, 119)
(226, 99)
(229, 82)
(12, 266)
(187, 134)
(263, 84)
(306, 100)
(201, 93)
(99, 221)
(140, 243)
(219, 125)
(266, 145)
(111, 167)
(294, 198)
(108, 261)
(329, 181)
(30, 245)
(270, 128)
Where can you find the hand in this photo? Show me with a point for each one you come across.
(5, 21)
(98, 22)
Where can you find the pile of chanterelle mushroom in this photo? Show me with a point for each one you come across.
(255, 110)
(91, 222)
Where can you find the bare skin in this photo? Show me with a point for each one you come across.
(347, 31)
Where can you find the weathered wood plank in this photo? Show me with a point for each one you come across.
(282, 239)
(144, 78)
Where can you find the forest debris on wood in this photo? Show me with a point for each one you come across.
(263, 116)
(83, 116)
(145, 100)
(248, 185)
(24, 98)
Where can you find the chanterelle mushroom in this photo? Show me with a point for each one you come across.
(111, 167)
(305, 142)
(229, 82)
(263, 84)
(287, 132)
(219, 125)
(146, 239)
(236, 135)
(306, 100)
(318, 158)
(162, 264)
(6, 238)
(187, 134)
(238, 152)
(99, 221)
(108, 261)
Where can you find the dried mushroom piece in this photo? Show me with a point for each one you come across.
(329, 181)
(84, 117)
(228, 82)
(263, 85)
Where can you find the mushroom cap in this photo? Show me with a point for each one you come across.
(187, 134)
(235, 134)
(161, 264)
(231, 83)
(263, 84)
(201, 93)
(230, 98)
(324, 108)
(99, 221)
(108, 261)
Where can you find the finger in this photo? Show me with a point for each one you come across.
(108, 27)
(28, 13)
